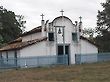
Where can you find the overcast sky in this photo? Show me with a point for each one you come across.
(32, 9)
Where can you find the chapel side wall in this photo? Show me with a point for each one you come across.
(31, 37)
(4, 55)
(11, 54)
(88, 48)
(51, 48)
(11, 57)
(84, 48)
(38, 49)
(88, 51)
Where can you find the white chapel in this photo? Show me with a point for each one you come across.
(58, 37)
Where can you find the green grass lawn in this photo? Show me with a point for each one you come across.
(98, 72)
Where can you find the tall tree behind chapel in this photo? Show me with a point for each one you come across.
(103, 28)
(10, 27)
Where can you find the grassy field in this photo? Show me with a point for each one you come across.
(98, 72)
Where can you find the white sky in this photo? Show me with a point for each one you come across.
(32, 9)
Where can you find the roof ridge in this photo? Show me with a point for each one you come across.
(34, 30)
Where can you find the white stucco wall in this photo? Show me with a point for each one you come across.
(11, 56)
(35, 51)
(31, 37)
(50, 48)
(4, 54)
(73, 50)
(38, 49)
(87, 48)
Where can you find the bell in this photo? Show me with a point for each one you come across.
(59, 31)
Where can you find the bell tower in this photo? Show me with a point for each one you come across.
(43, 25)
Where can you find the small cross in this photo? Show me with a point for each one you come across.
(80, 19)
(42, 16)
(62, 12)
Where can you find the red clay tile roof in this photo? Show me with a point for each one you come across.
(20, 45)
(35, 30)
(16, 40)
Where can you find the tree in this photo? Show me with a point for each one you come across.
(10, 27)
(103, 41)
(21, 21)
(89, 32)
(103, 28)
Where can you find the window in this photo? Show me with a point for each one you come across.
(74, 37)
(51, 36)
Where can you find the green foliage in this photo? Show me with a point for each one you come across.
(88, 32)
(10, 27)
(103, 16)
(21, 21)
(103, 41)
(103, 28)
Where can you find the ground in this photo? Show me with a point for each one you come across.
(98, 72)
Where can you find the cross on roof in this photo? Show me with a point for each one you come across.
(80, 19)
(62, 12)
(42, 16)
